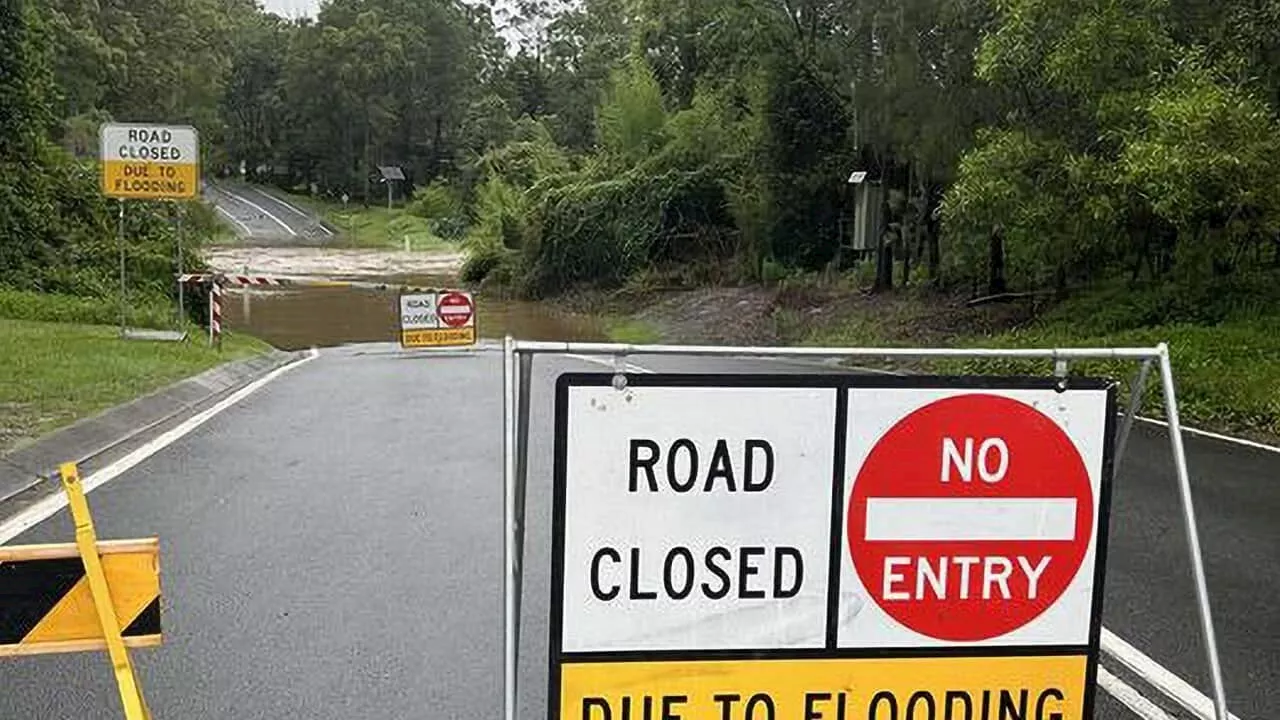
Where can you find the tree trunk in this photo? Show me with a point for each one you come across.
(931, 233)
(996, 282)
(906, 260)
(884, 251)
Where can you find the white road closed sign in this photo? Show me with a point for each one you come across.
(149, 162)
(876, 544)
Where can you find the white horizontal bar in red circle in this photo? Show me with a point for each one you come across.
(958, 519)
(454, 310)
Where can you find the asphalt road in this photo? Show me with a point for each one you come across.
(331, 548)
(258, 215)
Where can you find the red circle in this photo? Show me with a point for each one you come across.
(907, 462)
(455, 309)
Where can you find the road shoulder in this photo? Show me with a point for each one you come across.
(100, 438)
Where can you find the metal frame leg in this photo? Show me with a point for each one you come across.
(508, 545)
(524, 386)
(1136, 391)
(1193, 537)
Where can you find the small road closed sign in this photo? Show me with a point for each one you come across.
(149, 162)
(437, 319)
(828, 547)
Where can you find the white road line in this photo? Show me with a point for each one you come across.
(1129, 697)
(45, 508)
(1160, 677)
(1168, 684)
(264, 211)
(1215, 436)
(234, 219)
(296, 210)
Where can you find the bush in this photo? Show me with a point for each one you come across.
(443, 208)
(603, 231)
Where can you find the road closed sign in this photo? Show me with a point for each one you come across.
(149, 162)
(437, 319)
(831, 547)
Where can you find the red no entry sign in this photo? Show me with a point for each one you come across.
(455, 309)
(970, 517)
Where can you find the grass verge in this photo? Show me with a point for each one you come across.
(1227, 372)
(376, 226)
(56, 373)
(153, 313)
(631, 331)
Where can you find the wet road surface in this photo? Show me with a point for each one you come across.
(332, 549)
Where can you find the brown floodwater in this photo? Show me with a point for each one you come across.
(294, 319)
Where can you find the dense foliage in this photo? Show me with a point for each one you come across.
(62, 66)
(1021, 144)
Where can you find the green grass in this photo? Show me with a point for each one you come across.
(631, 331)
(376, 226)
(1226, 367)
(26, 305)
(56, 373)
(1227, 375)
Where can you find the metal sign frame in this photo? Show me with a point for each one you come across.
(518, 377)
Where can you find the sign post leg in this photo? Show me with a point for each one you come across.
(1193, 537)
(120, 242)
(135, 707)
(1136, 391)
(182, 306)
(525, 379)
(509, 523)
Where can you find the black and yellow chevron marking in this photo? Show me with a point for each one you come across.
(46, 605)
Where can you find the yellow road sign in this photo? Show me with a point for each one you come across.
(959, 688)
(46, 604)
(149, 162)
(438, 337)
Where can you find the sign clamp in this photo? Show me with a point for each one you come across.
(517, 378)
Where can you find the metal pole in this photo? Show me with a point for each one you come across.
(1135, 404)
(120, 242)
(1193, 537)
(522, 483)
(182, 306)
(508, 543)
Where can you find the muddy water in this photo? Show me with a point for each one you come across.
(326, 316)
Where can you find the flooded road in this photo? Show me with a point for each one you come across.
(304, 316)
(293, 319)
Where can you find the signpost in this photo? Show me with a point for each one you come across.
(437, 319)
(828, 547)
(148, 162)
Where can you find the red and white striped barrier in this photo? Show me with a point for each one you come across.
(238, 280)
(215, 313)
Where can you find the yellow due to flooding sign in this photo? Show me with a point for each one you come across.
(149, 162)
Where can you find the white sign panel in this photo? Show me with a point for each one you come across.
(697, 517)
(971, 516)
(418, 312)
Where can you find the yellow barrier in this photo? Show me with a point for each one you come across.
(85, 596)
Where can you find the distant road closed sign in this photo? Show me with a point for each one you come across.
(827, 548)
(437, 319)
(149, 162)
